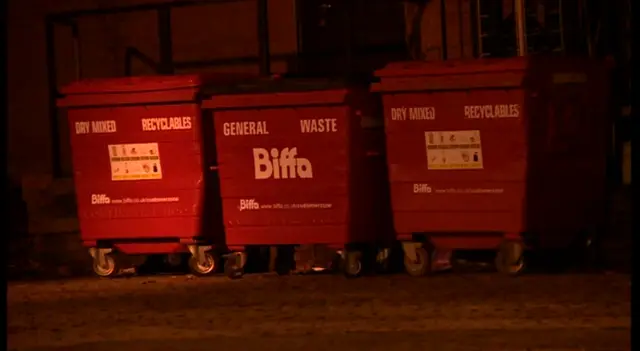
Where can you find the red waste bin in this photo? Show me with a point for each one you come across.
(500, 154)
(301, 162)
(138, 157)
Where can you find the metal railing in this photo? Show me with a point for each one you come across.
(166, 64)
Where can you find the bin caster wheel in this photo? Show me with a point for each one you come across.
(202, 267)
(383, 262)
(282, 267)
(282, 270)
(232, 270)
(421, 265)
(353, 264)
(107, 269)
(384, 266)
(510, 258)
(173, 260)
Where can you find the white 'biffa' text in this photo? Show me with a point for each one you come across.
(100, 199)
(282, 165)
(421, 188)
(248, 204)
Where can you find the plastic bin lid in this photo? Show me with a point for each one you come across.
(131, 84)
(149, 83)
(281, 91)
(278, 84)
(436, 68)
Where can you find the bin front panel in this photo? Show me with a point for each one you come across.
(138, 171)
(284, 174)
(457, 159)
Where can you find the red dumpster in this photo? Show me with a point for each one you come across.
(138, 156)
(500, 154)
(301, 162)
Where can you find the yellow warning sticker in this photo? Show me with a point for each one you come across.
(450, 150)
(135, 161)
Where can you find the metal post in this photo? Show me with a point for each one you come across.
(443, 28)
(128, 58)
(348, 14)
(76, 50)
(131, 52)
(561, 25)
(165, 39)
(476, 28)
(299, 33)
(263, 37)
(461, 27)
(52, 82)
(521, 25)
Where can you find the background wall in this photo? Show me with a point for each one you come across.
(208, 32)
(199, 33)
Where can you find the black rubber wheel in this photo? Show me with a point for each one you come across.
(202, 269)
(384, 266)
(588, 252)
(284, 261)
(173, 260)
(283, 265)
(505, 261)
(232, 270)
(353, 264)
(109, 269)
(421, 266)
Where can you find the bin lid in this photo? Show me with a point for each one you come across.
(276, 91)
(482, 73)
(141, 90)
(438, 68)
(131, 84)
(150, 83)
(276, 85)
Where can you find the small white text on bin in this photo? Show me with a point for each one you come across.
(97, 127)
(166, 123)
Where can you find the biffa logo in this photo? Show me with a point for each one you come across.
(100, 199)
(248, 204)
(282, 165)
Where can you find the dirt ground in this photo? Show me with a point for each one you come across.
(267, 312)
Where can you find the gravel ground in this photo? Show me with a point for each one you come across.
(266, 312)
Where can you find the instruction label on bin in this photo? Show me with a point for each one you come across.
(135, 161)
(448, 150)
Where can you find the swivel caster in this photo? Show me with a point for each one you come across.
(173, 260)
(420, 265)
(203, 265)
(353, 264)
(104, 264)
(383, 261)
(234, 265)
(510, 258)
